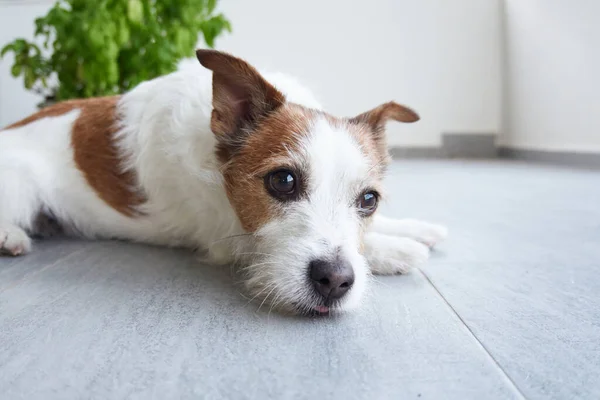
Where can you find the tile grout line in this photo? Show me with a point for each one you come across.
(485, 349)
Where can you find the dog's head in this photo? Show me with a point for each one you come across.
(304, 183)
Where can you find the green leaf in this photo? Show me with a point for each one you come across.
(30, 78)
(6, 49)
(123, 32)
(19, 45)
(214, 27)
(39, 26)
(103, 46)
(112, 73)
(15, 70)
(211, 5)
(135, 11)
(227, 26)
(96, 37)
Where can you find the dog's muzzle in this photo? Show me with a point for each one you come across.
(331, 279)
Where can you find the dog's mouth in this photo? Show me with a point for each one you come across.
(314, 311)
(324, 307)
(321, 310)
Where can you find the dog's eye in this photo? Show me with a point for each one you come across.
(367, 203)
(281, 184)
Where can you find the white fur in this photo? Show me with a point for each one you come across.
(166, 140)
(424, 232)
(389, 255)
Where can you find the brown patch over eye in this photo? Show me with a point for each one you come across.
(255, 176)
(367, 203)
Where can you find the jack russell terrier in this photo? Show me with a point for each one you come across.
(244, 166)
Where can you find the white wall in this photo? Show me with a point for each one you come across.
(552, 86)
(16, 20)
(441, 57)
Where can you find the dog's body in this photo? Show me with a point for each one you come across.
(205, 160)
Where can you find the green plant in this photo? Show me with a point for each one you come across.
(105, 47)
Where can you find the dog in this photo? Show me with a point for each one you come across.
(243, 165)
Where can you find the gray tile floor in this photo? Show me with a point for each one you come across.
(508, 307)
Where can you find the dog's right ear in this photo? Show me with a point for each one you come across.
(241, 96)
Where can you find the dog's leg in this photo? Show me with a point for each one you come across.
(424, 232)
(387, 255)
(18, 206)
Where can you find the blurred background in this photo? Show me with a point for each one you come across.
(520, 75)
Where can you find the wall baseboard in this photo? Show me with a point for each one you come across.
(417, 152)
(462, 145)
(482, 146)
(454, 145)
(563, 158)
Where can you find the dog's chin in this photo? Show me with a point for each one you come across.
(321, 307)
(311, 310)
(283, 287)
(305, 303)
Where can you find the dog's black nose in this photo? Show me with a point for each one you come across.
(332, 278)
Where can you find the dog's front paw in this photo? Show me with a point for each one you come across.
(429, 234)
(387, 255)
(14, 241)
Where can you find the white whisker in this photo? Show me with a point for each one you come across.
(263, 302)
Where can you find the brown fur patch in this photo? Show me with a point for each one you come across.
(264, 150)
(52, 111)
(94, 150)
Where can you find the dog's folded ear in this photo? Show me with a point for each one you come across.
(377, 117)
(241, 96)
